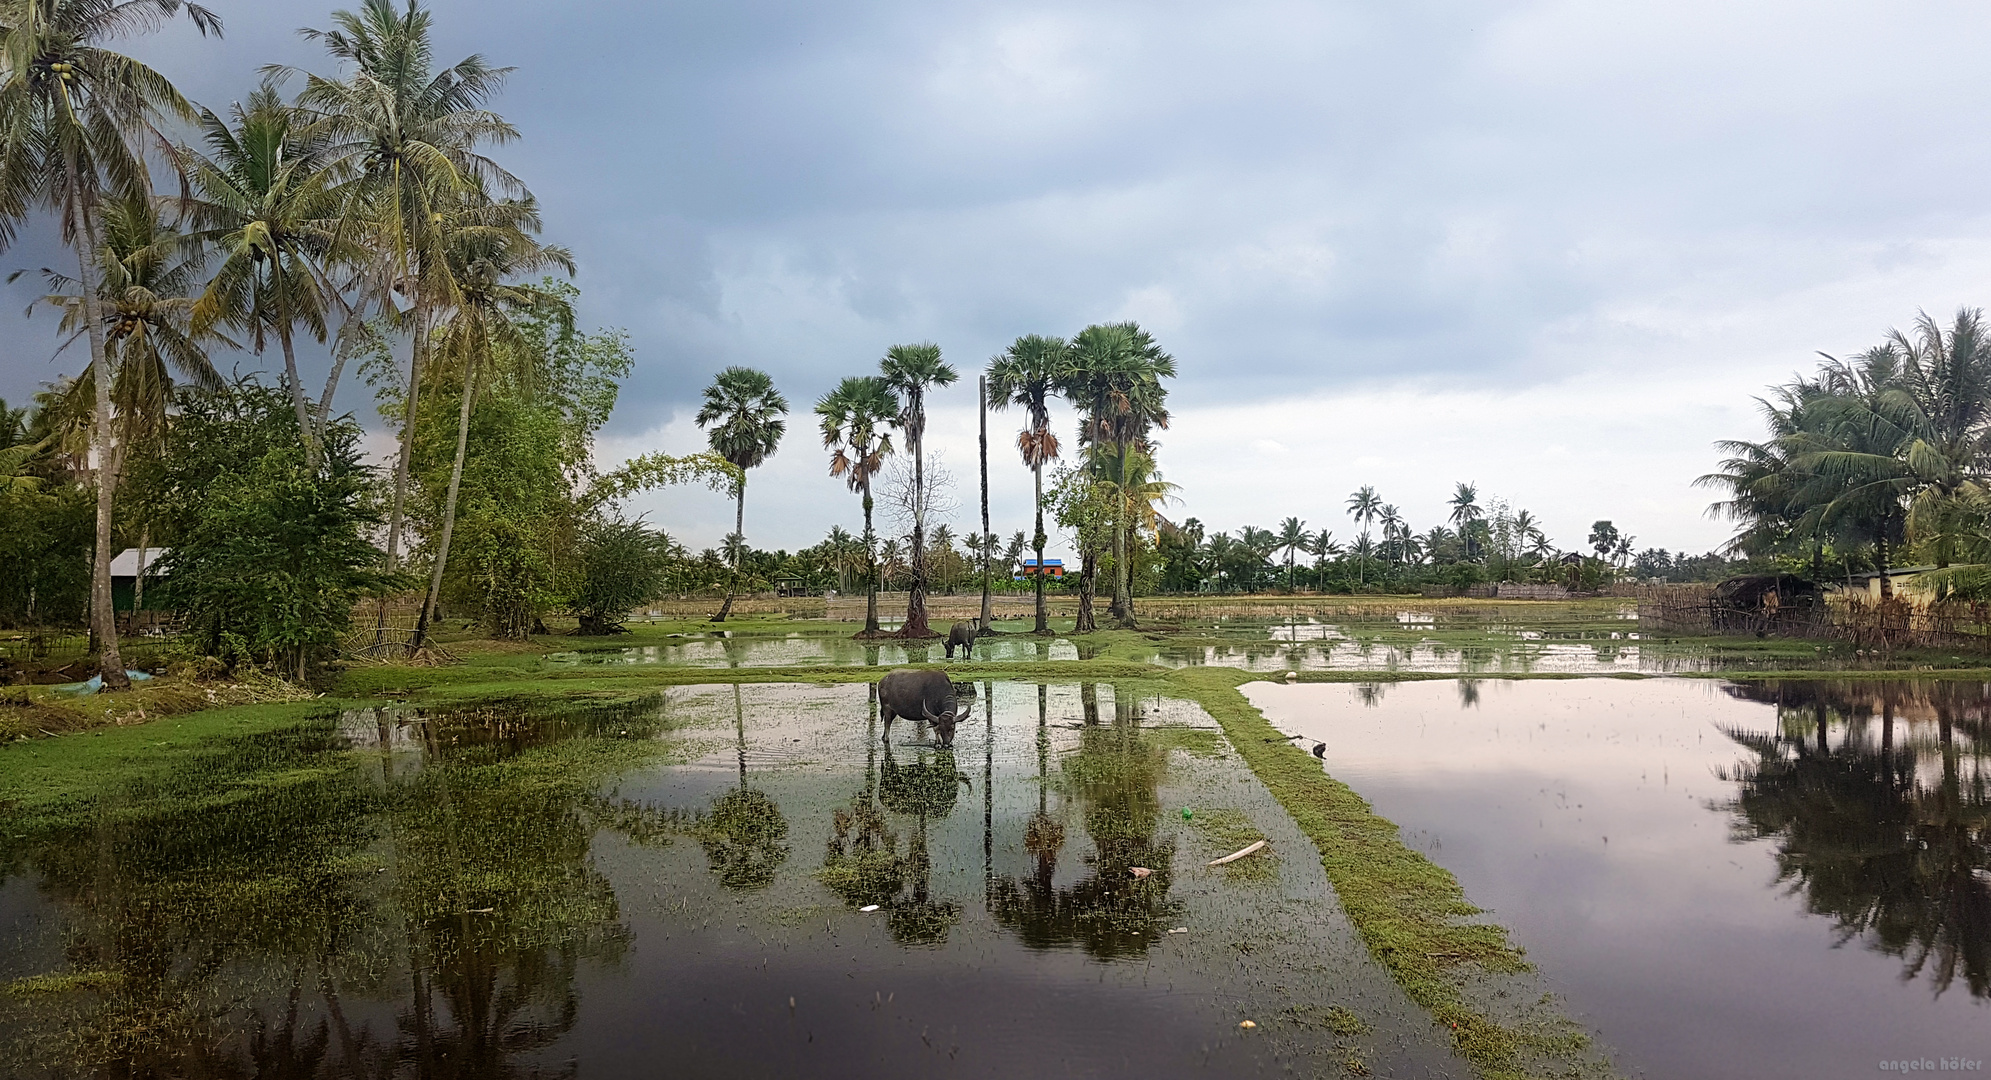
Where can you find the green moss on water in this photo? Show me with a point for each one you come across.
(1410, 912)
(67, 982)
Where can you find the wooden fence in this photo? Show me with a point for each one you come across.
(1902, 621)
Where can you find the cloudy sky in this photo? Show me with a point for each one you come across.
(1549, 248)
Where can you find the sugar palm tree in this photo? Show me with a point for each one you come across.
(75, 122)
(909, 371)
(403, 140)
(488, 245)
(1465, 512)
(742, 416)
(856, 423)
(1293, 539)
(1114, 374)
(265, 201)
(1027, 374)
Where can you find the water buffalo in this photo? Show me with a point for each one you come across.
(922, 695)
(963, 633)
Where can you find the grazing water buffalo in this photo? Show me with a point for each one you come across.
(963, 634)
(920, 695)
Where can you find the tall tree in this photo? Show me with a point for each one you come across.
(987, 538)
(1028, 374)
(909, 371)
(743, 417)
(1293, 539)
(75, 122)
(150, 271)
(489, 245)
(265, 202)
(856, 419)
(1466, 512)
(1364, 506)
(1115, 374)
(403, 141)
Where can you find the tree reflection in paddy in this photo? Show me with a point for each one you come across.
(1884, 831)
(1114, 777)
(459, 888)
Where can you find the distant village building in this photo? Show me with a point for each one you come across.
(1053, 568)
(152, 615)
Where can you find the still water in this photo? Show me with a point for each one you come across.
(680, 887)
(1463, 643)
(1724, 879)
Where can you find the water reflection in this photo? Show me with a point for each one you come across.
(1113, 777)
(744, 834)
(443, 879)
(1883, 833)
(520, 889)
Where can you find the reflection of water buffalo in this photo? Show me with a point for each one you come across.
(921, 695)
(963, 634)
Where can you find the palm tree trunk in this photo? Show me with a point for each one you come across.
(916, 591)
(138, 578)
(448, 507)
(873, 572)
(1123, 577)
(1087, 582)
(987, 603)
(103, 619)
(739, 549)
(1043, 616)
(416, 354)
(305, 430)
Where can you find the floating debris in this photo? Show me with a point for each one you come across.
(869, 907)
(1236, 855)
(1140, 871)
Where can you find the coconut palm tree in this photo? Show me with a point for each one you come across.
(1465, 512)
(265, 201)
(1028, 374)
(743, 417)
(403, 141)
(909, 371)
(1394, 530)
(856, 419)
(1293, 538)
(149, 272)
(75, 122)
(1114, 373)
(488, 245)
(1364, 506)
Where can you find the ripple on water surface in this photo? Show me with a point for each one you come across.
(1725, 879)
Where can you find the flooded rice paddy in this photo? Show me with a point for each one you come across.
(1722, 879)
(1464, 643)
(736, 881)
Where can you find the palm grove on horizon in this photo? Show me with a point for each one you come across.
(1873, 461)
(365, 210)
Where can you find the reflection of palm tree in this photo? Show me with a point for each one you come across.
(862, 863)
(1894, 860)
(1115, 774)
(744, 834)
(924, 789)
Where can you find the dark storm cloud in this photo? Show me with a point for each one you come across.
(1303, 199)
